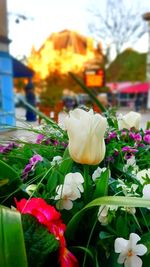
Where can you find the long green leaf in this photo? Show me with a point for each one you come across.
(12, 247)
(89, 92)
(107, 200)
(7, 172)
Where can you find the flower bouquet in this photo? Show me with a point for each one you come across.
(78, 196)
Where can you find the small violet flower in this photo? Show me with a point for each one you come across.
(111, 135)
(39, 139)
(135, 136)
(30, 166)
(129, 151)
(146, 138)
(129, 251)
(35, 159)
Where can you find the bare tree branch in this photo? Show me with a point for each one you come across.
(119, 24)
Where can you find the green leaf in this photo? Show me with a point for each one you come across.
(38, 240)
(105, 235)
(12, 247)
(107, 200)
(88, 91)
(7, 172)
(67, 162)
(102, 184)
(9, 179)
(145, 239)
(84, 249)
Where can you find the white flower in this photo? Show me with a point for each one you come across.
(56, 160)
(86, 136)
(127, 190)
(30, 189)
(141, 175)
(70, 191)
(131, 162)
(146, 191)
(103, 213)
(129, 249)
(97, 173)
(75, 180)
(65, 195)
(131, 119)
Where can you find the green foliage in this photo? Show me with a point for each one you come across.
(12, 247)
(128, 66)
(38, 241)
(9, 179)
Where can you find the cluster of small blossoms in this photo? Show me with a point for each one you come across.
(31, 165)
(49, 141)
(8, 148)
(111, 135)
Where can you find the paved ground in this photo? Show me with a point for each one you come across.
(21, 122)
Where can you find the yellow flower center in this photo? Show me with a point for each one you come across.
(130, 253)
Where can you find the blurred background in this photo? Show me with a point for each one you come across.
(106, 43)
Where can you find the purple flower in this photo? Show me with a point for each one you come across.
(116, 153)
(110, 159)
(123, 133)
(147, 131)
(146, 138)
(55, 143)
(111, 135)
(35, 159)
(26, 171)
(39, 139)
(28, 168)
(8, 148)
(135, 136)
(47, 141)
(129, 149)
(64, 144)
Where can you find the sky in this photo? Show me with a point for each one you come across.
(47, 16)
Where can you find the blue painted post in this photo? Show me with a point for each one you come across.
(7, 108)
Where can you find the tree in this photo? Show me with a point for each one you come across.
(118, 27)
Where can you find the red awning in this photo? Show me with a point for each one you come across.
(136, 88)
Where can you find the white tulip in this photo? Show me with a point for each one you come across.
(86, 136)
(129, 249)
(131, 119)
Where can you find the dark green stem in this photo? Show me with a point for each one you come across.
(86, 183)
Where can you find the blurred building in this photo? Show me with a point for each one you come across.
(63, 52)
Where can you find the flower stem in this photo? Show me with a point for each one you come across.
(86, 183)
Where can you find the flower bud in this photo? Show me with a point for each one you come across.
(86, 136)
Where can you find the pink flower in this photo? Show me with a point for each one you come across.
(39, 139)
(146, 138)
(51, 218)
(35, 159)
(135, 136)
